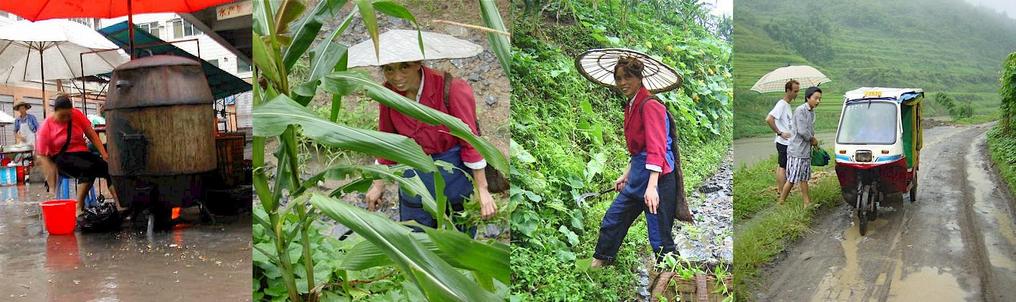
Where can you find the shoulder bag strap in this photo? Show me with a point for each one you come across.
(68, 141)
(447, 101)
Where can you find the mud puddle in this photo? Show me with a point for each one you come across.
(944, 247)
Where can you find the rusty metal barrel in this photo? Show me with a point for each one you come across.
(161, 131)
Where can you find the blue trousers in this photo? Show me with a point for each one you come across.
(457, 189)
(626, 208)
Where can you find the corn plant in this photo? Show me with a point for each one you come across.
(444, 264)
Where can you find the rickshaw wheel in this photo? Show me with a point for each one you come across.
(913, 191)
(874, 206)
(862, 211)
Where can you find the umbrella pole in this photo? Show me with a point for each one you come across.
(42, 73)
(84, 94)
(130, 26)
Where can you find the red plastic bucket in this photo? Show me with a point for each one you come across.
(21, 175)
(59, 216)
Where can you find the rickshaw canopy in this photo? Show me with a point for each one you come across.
(904, 96)
(910, 114)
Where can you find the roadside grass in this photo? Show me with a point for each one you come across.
(1003, 153)
(978, 119)
(764, 229)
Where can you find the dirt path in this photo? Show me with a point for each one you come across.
(957, 243)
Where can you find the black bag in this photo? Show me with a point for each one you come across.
(683, 213)
(103, 217)
(496, 182)
(100, 218)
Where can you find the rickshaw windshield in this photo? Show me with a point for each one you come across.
(871, 123)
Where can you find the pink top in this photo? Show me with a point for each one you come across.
(52, 135)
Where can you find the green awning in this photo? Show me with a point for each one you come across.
(222, 83)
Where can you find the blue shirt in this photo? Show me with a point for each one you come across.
(33, 124)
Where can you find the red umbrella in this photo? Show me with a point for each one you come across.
(35, 10)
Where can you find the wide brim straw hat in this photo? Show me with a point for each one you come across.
(597, 65)
(400, 45)
(21, 103)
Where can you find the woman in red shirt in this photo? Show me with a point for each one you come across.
(61, 148)
(648, 185)
(425, 85)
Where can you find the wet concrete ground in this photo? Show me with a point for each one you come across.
(192, 262)
(957, 243)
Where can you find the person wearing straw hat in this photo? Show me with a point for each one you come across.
(24, 135)
(25, 127)
(652, 184)
(404, 72)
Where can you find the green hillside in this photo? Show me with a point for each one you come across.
(943, 46)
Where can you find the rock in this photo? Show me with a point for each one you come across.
(456, 31)
(490, 100)
(709, 188)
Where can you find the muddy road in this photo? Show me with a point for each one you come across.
(956, 243)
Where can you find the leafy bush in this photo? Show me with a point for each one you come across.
(957, 109)
(1008, 93)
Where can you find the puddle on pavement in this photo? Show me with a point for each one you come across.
(847, 282)
(844, 281)
(986, 210)
(191, 260)
(927, 284)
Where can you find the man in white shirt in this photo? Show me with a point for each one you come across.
(781, 121)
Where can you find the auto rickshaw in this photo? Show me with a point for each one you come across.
(878, 147)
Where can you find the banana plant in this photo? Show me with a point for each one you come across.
(284, 34)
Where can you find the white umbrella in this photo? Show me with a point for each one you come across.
(6, 118)
(401, 45)
(60, 45)
(775, 80)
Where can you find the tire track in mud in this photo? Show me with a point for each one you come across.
(955, 243)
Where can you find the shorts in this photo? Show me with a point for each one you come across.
(84, 166)
(798, 169)
(781, 151)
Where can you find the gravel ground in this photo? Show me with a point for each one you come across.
(711, 238)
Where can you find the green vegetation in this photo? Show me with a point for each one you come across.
(567, 134)
(957, 110)
(1003, 153)
(1008, 93)
(382, 259)
(762, 228)
(1002, 139)
(941, 46)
